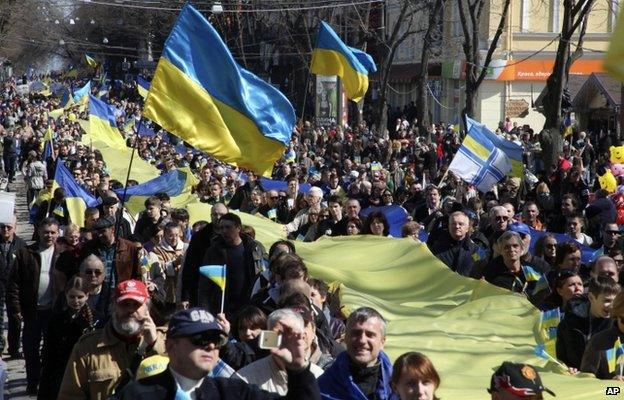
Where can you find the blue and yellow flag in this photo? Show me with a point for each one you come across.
(567, 125)
(66, 99)
(82, 95)
(201, 94)
(48, 139)
(332, 57)
(143, 86)
(215, 273)
(72, 72)
(76, 198)
(103, 125)
(615, 356)
(90, 61)
(484, 159)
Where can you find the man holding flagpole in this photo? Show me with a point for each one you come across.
(242, 257)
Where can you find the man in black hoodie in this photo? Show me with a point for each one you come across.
(584, 317)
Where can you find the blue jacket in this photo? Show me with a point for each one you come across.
(337, 383)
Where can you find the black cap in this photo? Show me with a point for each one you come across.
(521, 380)
(104, 222)
(109, 201)
(192, 321)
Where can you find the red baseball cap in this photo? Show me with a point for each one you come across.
(131, 289)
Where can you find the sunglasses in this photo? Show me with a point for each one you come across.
(95, 272)
(502, 218)
(204, 340)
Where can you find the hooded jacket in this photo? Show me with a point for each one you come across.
(576, 329)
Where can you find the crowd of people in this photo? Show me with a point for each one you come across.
(108, 300)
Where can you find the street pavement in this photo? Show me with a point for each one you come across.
(15, 386)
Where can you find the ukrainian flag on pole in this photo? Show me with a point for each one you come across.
(201, 94)
(332, 57)
(484, 159)
(76, 198)
(82, 94)
(215, 273)
(90, 61)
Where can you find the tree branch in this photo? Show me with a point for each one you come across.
(494, 44)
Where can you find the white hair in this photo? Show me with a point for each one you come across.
(315, 191)
(285, 314)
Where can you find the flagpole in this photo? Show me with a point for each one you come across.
(123, 199)
(305, 96)
(223, 290)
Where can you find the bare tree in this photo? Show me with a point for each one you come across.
(388, 41)
(435, 11)
(575, 15)
(470, 14)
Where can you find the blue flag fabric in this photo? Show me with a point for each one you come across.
(171, 182)
(270, 184)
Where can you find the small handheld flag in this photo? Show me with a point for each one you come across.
(216, 273)
(91, 61)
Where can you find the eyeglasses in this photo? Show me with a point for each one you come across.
(95, 272)
(274, 197)
(204, 340)
(502, 218)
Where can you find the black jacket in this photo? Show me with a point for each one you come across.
(576, 329)
(200, 243)
(497, 273)
(7, 259)
(209, 294)
(458, 256)
(301, 386)
(594, 358)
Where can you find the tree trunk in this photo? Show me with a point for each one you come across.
(422, 105)
(551, 139)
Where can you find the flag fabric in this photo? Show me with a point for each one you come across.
(76, 197)
(177, 184)
(66, 99)
(215, 273)
(102, 123)
(145, 130)
(201, 94)
(143, 86)
(546, 336)
(615, 356)
(91, 61)
(567, 125)
(613, 61)
(82, 94)
(484, 159)
(71, 73)
(397, 216)
(47, 143)
(332, 57)
(540, 281)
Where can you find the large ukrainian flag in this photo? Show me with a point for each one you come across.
(102, 123)
(484, 159)
(332, 57)
(200, 94)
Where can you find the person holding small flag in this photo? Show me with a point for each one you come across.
(243, 257)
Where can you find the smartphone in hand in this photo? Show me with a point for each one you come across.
(269, 340)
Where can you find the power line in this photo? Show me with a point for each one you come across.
(224, 10)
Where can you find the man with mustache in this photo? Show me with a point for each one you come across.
(103, 359)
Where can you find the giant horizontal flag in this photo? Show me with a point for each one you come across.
(102, 123)
(76, 198)
(202, 95)
(484, 159)
(332, 57)
(143, 86)
(456, 321)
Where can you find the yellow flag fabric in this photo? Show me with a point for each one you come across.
(468, 327)
(614, 59)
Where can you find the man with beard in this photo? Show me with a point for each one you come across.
(105, 359)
